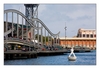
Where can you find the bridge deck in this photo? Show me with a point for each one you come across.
(19, 52)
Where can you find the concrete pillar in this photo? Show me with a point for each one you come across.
(26, 31)
(93, 34)
(34, 35)
(41, 36)
(31, 34)
(6, 22)
(53, 40)
(48, 39)
(38, 33)
(6, 30)
(45, 36)
(12, 24)
(81, 35)
(58, 39)
(22, 27)
(17, 26)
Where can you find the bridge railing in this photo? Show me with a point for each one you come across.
(19, 40)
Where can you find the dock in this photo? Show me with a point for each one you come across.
(13, 54)
(48, 53)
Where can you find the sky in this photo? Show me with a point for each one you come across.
(55, 16)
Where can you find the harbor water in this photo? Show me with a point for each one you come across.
(85, 58)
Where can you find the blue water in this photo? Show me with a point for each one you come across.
(88, 58)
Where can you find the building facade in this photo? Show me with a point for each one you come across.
(86, 33)
(85, 37)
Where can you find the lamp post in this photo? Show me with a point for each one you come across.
(65, 33)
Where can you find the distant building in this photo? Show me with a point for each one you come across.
(86, 33)
(85, 37)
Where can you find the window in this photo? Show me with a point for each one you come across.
(87, 35)
(95, 35)
(91, 35)
(78, 35)
(83, 35)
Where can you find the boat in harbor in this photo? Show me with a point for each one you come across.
(80, 49)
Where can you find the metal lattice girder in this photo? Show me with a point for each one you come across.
(30, 10)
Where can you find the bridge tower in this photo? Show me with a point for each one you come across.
(31, 10)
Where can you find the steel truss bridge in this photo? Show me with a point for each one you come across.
(35, 26)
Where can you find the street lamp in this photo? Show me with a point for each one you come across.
(65, 33)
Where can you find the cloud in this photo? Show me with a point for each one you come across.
(75, 15)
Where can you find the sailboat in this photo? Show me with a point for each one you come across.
(72, 56)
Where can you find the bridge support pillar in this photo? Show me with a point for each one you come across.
(48, 39)
(41, 36)
(38, 33)
(45, 36)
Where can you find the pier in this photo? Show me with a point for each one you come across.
(14, 54)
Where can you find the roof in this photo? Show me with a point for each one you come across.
(87, 29)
